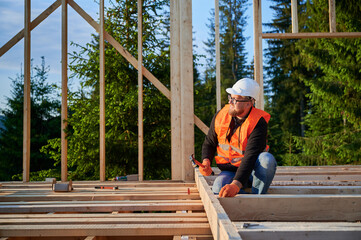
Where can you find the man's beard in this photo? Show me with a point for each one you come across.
(234, 113)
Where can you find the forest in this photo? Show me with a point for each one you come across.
(312, 91)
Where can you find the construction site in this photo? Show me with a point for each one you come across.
(308, 202)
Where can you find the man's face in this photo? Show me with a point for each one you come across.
(239, 106)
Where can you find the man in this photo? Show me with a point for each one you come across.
(238, 133)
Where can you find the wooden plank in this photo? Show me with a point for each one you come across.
(64, 90)
(175, 77)
(103, 197)
(140, 91)
(219, 222)
(27, 100)
(27, 208)
(104, 220)
(314, 190)
(320, 177)
(316, 183)
(187, 103)
(92, 184)
(105, 215)
(300, 230)
(34, 24)
(293, 207)
(311, 35)
(294, 16)
(332, 15)
(218, 56)
(101, 93)
(258, 62)
(106, 230)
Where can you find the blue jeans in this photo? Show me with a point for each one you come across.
(261, 177)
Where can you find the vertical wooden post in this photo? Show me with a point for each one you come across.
(140, 91)
(294, 16)
(218, 56)
(182, 109)
(175, 90)
(332, 15)
(187, 105)
(27, 100)
(101, 93)
(64, 90)
(258, 64)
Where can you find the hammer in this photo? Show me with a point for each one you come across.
(196, 163)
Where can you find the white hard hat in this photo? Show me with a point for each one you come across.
(245, 87)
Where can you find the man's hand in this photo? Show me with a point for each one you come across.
(230, 190)
(206, 169)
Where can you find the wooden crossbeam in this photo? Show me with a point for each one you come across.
(105, 230)
(16, 208)
(299, 230)
(314, 190)
(311, 35)
(104, 215)
(315, 207)
(33, 24)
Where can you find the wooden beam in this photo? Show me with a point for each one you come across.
(299, 230)
(105, 207)
(104, 220)
(294, 16)
(27, 100)
(175, 77)
(332, 15)
(34, 24)
(104, 215)
(258, 62)
(187, 103)
(311, 35)
(140, 91)
(106, 230)
(101, 93)
(218, 57)
(220, 224)
(314, 190)
(315, 207)
(64, 90)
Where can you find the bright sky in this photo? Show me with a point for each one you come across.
(46, 37)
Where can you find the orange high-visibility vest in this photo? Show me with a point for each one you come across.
(233, 151)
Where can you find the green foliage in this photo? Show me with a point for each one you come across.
(121, 99)
(45, 123)
(329, 71)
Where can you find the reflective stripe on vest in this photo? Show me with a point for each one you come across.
(233, 151)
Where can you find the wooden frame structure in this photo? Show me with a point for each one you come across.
(304, 202)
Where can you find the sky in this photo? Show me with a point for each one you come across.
(46, 37)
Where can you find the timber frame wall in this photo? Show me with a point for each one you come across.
(181, 96)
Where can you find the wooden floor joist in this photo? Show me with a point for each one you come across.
(311, 207)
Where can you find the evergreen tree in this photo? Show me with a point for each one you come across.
(45, 124)
(232, 43)
(287, 93)
(121, 90)
(334, 121)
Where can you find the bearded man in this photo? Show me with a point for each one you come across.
(238, 133)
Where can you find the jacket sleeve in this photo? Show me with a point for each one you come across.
(255, 145)
(210, 143)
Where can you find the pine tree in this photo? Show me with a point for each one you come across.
(287, 93)
(45, 124)
(334, 122)
(121, 90)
